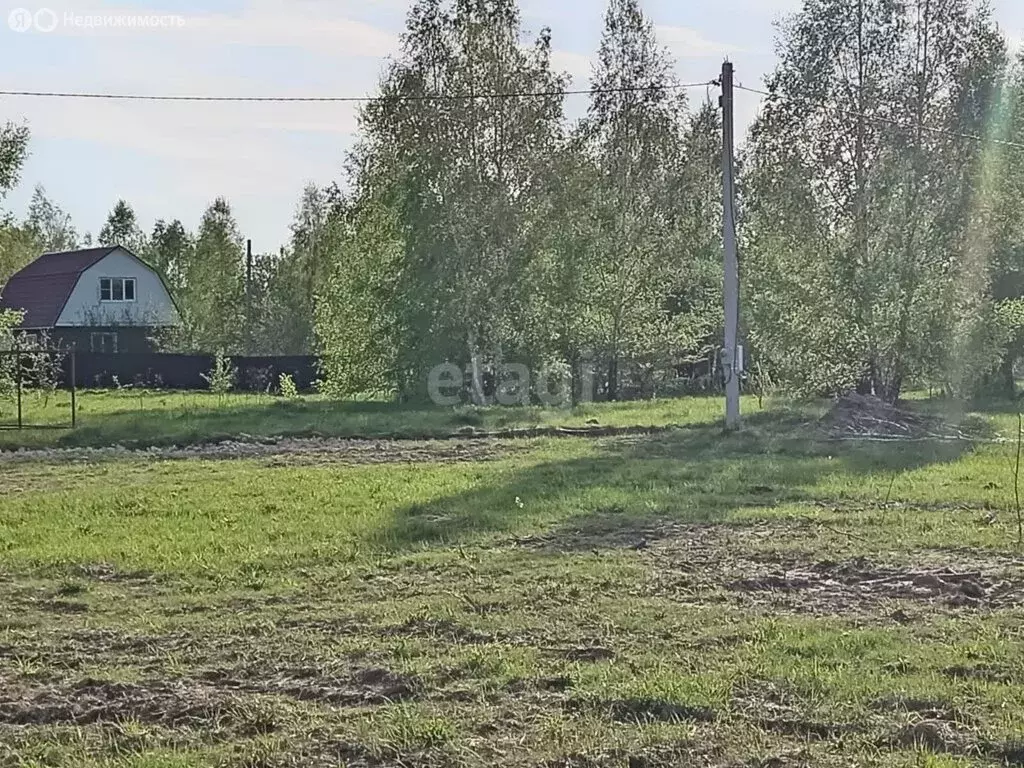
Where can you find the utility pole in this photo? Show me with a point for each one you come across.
(248, 297)
(730, 353)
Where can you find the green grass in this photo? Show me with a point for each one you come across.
(157, 418)
(577, 603)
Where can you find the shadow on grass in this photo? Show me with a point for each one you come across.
(696, 474)
(154, 419)
(210, 423)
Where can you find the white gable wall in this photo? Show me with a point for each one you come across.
(152, 305)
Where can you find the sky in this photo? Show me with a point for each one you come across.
(170, 160)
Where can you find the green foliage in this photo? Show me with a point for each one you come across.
(50, 226)
(287, 385)
(222, 377)
(880, 240)
(492, 234)
(41, 363)
(357, 312)
(169, 250)
(13, 152)
(9, 320)
(122, 229)
(865, 231)
(15, 242)
(1010, 316)
(212, 297)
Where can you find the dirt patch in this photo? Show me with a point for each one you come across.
(773, 706)
(698, 544)
(109, 573)
(925, 709)
(1010, 753)
(361, 687)
(806, 729)
(91, 701)
(671, 755)
(865, 416)
(859, 581)
(62, 606)
(442, 629)
(770, 563)
(592, 655)
(292, 451)
(934, 735)
(643, 711)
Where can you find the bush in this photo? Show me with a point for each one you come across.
(288, 389)
(222, 376)
(8, 322)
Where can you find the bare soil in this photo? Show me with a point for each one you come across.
(292, 451)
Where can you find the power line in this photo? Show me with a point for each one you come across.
(357, 99)
(904, 126)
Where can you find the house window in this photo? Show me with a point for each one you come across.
(117, 289)
(105, 343)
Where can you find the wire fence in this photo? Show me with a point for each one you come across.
(36, 373)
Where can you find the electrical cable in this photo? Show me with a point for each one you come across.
(358, 99)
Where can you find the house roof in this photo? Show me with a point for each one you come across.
(42, 288)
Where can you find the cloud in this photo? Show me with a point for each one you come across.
(172, 158)
(689, 43)
(576, 65)
(313, 26)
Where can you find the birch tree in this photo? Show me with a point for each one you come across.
(858, 179)
(463, 173)
(635, 132)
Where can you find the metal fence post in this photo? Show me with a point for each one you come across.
(74, 388)
(17, 379)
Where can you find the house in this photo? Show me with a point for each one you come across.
(98, 299)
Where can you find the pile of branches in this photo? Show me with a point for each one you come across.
(855, 416)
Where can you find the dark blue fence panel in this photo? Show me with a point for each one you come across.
(165, 371)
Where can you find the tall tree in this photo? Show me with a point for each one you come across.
(635, 129)
(16, 243)
(300, 274)
(122, 228)
(13, 152)
(462, 176)
(51, 227)
(858, 173)
(1005, 166)
(169, 250)
(213, 292)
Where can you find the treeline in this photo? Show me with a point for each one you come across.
(881, 213)
(485, 231)
(226, 306)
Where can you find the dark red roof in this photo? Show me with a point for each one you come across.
(42, 288)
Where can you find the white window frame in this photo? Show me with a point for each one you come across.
(123, 282)
(98, 336)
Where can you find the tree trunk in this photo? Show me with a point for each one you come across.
(613, 377)
(474, 360)
(1009, 384)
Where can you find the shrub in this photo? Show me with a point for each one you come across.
(221, 377)
(288, 389)
(8, 322)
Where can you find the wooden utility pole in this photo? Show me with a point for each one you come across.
(730, 353)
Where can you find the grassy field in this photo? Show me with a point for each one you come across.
(684, 598)
(144, 418)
